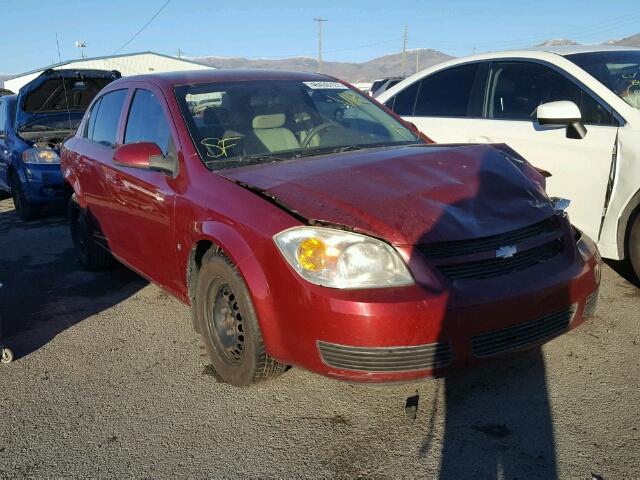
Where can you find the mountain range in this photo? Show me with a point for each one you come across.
(380, 67)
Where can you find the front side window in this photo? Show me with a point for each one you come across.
(619, 71)
(448, 93)
(516, 89)
(244, 122)
(104, 128)
(147, 121)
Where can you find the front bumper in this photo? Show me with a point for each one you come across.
(43, 183)
(404, 334)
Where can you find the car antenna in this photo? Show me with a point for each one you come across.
(64, 87)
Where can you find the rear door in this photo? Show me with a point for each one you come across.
(142, 201)
(446, 105)
(94, 159)
(580, 168)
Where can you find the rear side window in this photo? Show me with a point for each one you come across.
(447, 93)
(516, 89)
(404, 101)
(102, 126)
(147, 121)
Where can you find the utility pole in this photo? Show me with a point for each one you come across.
(404, 50)
(179, 53)
(319, 20)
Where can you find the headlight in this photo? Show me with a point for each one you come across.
(40, 155)
(339, 259)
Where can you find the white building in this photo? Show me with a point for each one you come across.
(127, 64)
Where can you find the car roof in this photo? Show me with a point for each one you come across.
(571, 49)
(188, 77)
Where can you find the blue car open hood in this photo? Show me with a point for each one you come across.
(60, 92)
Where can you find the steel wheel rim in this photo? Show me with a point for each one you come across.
(225, 322)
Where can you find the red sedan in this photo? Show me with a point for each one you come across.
(306, 225)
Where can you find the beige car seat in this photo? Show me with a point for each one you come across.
(270, 130)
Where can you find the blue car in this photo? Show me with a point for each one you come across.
(33, 124)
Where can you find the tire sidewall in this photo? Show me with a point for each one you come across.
(634, 245)
(17, 193)
(215, 271)
(76, 214)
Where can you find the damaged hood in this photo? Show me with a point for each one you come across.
(60, 93)
(407, 195)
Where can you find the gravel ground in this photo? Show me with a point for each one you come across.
(112, 381)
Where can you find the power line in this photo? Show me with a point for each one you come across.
(144, 26)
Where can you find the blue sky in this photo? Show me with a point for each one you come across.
(355, 31)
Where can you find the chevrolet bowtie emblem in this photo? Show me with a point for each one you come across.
(506, 252)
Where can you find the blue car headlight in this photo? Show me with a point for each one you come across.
(40, 155)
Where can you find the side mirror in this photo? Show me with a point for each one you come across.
(562, 113)
(144, 155)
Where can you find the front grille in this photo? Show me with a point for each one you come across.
(386, 359)
(494, 267)
(591, 305)
(522, 335)
(477, 245)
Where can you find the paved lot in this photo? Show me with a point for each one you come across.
(112, 381)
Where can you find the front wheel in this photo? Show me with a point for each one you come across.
(25, 209)
(634, 245)
(228, 324)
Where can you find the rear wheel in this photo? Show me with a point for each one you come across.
(228, 324)
(25, 209)
(634, 245)
(90, 253)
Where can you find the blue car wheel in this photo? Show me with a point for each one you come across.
(25, 209)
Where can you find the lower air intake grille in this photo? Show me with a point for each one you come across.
(386, 359)
(591, 304)
(522, 335)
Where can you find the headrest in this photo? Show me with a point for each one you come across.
(214, 115)
(275, 120)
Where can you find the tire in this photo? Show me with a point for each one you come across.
(227, 321)
(633, 245)
(25, 209)
(91, 254)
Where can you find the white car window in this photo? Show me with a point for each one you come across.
(517, 88)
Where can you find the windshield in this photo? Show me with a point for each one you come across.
(246, 122)
(617, 70)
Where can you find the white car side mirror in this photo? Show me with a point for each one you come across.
(564, 113)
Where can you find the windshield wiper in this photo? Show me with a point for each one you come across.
(224, 163)
(349, 148)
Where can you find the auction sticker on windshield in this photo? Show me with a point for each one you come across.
(325, 85)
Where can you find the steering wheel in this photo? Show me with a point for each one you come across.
(316, 130)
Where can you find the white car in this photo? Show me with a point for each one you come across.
(573, 111)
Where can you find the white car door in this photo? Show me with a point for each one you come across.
(579, 167)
